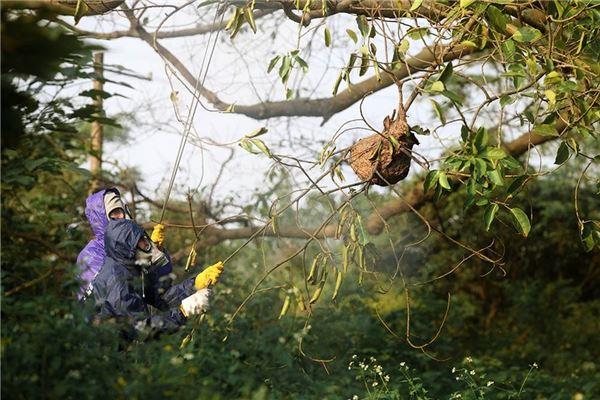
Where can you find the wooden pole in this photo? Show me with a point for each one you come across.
(95, 157)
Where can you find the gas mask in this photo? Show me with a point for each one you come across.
(148, 255)
(114, 205)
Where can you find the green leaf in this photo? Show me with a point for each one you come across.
(327, 37)
(238, 22)
(490, 213)
(497, 18)
(437, 86)
(464, 133)
(545, 130)
(336, 85)
(376, 68)
(246, 145)
(453, 97)
(479, 167)
(511, 163)
(521, 221)
(352, 35)
(363, 237)
(261, 146)
(507, 100)
(301, 63)
(417, 33)
(438, 111)
(516, 184)
(481, 139)
(526, 34)
(249, 17)
(364, 65)
(563, 153)
(446, 73)
(403, 46)
(551, 96)
(418, 130)
(495, 177)
(416, 4)
(273, 63)
(589, 235)
(81, 9)
(493, 153)
(431, 180)
(351, 62)
(469, 43)
(284, 69)
(363, 25)
(257, 132)
(443, 180)
(399, 53)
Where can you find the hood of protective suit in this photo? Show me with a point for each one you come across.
(121, 244)
(96, 213)
(121, 239)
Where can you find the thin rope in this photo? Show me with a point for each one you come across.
(192, 112)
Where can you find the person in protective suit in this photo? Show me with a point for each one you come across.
(127, 286)
(101, 207)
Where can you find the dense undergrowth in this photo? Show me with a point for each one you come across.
(528, 331)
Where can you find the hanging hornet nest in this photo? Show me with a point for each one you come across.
(384, 159)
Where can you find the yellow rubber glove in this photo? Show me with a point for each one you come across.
(209, 276)
(158, 234)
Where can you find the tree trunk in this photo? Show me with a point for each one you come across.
(97, 129)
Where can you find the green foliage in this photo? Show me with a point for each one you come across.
(538, 306)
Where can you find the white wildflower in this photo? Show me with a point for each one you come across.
(469, 359)
(472, 372)
(355, 397)
(489, 383)
(453, 370)
(386, 378)
(402, 364)
(534, 365)
(375, 383)
(354, 358)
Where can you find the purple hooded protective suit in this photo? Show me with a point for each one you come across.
(92, 256)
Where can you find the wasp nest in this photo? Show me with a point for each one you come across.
(383, 161)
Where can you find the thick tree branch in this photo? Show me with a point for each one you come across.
(416, 197)
(63, 7)
(375, 223)
(324, 107)
(199, 29)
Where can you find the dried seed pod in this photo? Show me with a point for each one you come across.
(317, 293)
(312, 275)
(285, 307)
(338, 284)
(384, 159)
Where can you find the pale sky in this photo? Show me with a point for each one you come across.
(235, 70)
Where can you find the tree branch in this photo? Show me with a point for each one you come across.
(413, 199)
(416, 198)
(324, 107)
(199, 29)
(64, 7)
